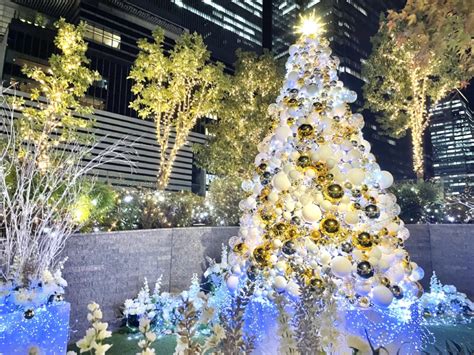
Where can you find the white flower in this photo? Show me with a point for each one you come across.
(97, 314)
(150, 336)
(84, 344)
(99, 326)
(104, 334)
(47, 277)
(148, 351)
(100, 349)
(142, 343)
(90, 333)
(92, 306)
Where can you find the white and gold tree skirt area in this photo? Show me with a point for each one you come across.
(318, 218)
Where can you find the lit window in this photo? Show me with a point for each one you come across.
(100, 35)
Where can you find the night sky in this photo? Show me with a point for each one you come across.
(469, 93)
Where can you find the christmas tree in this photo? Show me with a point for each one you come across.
(318, 215)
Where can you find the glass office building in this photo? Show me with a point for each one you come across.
(452, 138)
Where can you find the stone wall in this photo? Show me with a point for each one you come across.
(110, 267)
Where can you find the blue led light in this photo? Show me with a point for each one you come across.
(46, 331)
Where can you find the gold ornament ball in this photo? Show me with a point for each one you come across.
(372, 211)
(363, 241)
(288, 247)
(304, 161)
(365, 269)
(261, 256)
(330, 226)
(305, 131)
(334, 192)
(240, 248)
(316, 285)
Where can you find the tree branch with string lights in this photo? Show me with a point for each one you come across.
(420, 54)
(175, 89)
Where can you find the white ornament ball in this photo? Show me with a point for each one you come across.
(311, 213)
(417, 274)
(281, 181)
(341, 266)
(382, 296)
(292, 76)
(293, 289)
(324, 258)
(232, 282)
(385, 180)
(312, 90)
(351, 217)
(293, 49)
(363, 288)
(339, 110)
(273, 197)
(281, 266)
(280, 283)
(356, 176)
(282, 133)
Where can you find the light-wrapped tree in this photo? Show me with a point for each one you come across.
(175, 89)
(242, 119)
(420, 54)
(58, 92)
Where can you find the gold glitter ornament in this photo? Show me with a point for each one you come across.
(316, 236)
(267, 215)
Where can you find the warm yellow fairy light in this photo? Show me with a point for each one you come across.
(310, 25)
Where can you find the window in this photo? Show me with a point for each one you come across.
(100, 35)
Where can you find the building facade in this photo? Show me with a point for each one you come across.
(349, 26)
(451, 132)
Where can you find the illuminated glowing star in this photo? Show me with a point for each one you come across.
(310, 25)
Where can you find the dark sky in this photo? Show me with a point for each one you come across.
(469, 93)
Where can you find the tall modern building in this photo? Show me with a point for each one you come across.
(112, 30)
(452, 139)
(349, 24)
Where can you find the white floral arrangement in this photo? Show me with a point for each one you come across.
(445, 305)
(161, 308)
(93, 341)
(16, 295)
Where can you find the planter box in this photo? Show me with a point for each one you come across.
(47, 330)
